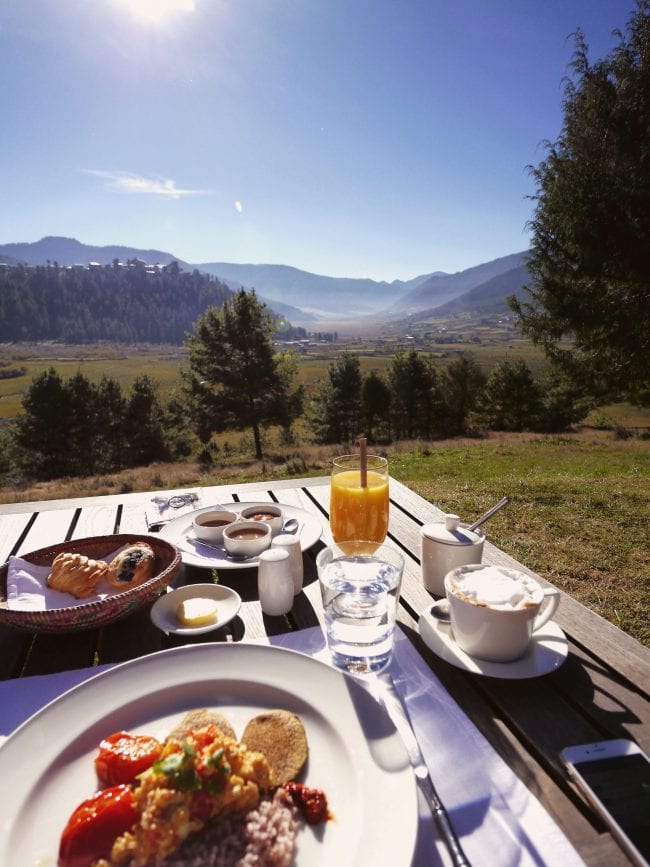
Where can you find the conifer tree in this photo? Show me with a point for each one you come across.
(590, 261)
(335, 413)
(42, 433)
(236, 380)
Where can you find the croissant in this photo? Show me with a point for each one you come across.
(76, 574)
(131, 566)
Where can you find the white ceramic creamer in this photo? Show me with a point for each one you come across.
(444, 546)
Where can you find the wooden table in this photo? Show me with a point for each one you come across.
(601, 691)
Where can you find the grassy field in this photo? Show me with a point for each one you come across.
(578, 513)
(124, 364)
(163, 365)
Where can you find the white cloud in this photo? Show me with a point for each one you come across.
(239, 207)
(126, 182)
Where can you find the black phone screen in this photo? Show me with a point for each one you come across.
(622, 783)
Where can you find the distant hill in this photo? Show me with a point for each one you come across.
(69, 251)
(439, 289)
(489, 297)
(299, 296)
(343, 296)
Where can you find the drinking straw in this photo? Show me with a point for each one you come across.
(363, 462)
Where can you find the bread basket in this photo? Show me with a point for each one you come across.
(89, 615)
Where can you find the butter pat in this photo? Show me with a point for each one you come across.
(197, 612)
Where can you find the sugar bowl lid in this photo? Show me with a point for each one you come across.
(449, 532)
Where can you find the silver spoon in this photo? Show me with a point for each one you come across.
(489, 514)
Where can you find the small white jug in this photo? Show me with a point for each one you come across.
(274, 581)
(291, 544)
(445, 546)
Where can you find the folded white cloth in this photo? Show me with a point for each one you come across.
(27, 588)
(166, 508)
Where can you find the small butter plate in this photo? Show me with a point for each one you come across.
(163, 611)
(546, 653)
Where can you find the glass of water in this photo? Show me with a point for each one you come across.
(360, 594)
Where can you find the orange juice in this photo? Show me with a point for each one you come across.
(356, 512)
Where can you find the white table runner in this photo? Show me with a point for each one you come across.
(499, 822)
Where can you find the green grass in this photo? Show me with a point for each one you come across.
(122, 364)
(578, 511)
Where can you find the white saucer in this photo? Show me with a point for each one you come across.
(163, 612)
(546, 653)
(180, 533)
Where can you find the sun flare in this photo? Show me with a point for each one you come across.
(155, 10)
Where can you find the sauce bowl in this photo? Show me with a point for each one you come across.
(247, 538)
(270, 513)
(209, 526)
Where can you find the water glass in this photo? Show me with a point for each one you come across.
(360, 593)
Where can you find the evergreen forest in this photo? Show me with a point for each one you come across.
(121, 303)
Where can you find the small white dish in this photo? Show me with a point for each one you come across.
(163, 611)
(209, 526)
(548, 650)
(247, 538)
(267, 512)
(180, 533)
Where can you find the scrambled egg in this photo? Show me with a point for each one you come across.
(205, 775)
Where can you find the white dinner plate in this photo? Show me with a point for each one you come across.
(355, 754)
(547, 650)
(163, 612)
(193, 552)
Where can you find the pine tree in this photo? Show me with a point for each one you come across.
(416, 403)
(590, 254)
(42, 433)
(512, 399)
(335, 414)
(236, 380)
(462, 383)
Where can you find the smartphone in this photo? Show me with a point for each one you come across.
(615, 777)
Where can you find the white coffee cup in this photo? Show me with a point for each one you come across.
(494, 610)
(444, 545)
(275, 582)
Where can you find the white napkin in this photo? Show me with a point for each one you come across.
(166, 508)
(27, 588)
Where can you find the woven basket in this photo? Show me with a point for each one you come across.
(89, 615)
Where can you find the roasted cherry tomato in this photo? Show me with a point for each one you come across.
(95, 825)
(312, 803)
(123, 756)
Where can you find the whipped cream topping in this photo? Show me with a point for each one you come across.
(495, 587)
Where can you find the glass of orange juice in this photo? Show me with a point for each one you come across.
(359, 511)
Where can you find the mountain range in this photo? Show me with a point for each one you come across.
(304, 297)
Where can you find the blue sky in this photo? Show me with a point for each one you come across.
(380, 138)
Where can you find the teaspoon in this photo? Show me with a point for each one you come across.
(489, 514)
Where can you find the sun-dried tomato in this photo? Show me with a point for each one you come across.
(312, 803)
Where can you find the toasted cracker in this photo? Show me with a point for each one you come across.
(198, 719)
(280, 736)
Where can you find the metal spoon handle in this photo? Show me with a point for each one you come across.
(489, 514)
